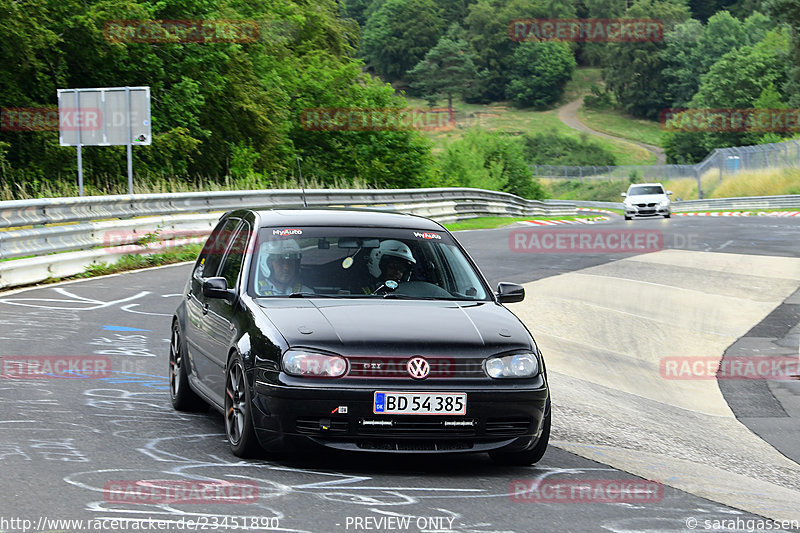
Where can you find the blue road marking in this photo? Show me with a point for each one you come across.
(123, 328)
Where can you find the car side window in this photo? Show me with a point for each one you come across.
(211, 256)
(232, 265)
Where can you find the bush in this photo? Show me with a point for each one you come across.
(599, 100)
(554, 149)
(488, 160)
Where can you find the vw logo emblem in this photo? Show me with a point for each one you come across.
(418, 368)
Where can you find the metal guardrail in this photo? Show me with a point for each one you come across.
(600, 205)
(748, 202)
(64, 210)
(97, 229)
(64, 235)
(752, 202)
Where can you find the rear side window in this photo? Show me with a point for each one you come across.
(233, 260)
(211, 256)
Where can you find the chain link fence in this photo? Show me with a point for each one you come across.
(723, 161)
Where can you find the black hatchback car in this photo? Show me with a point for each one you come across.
(357, 330)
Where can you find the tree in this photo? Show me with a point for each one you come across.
(217, 107)
(595, 53)
(788, 11)
(356, 10)
(398, 34)
(681, 72)
(454, 11)
(487, 30)
(741, 79)
(448, 69)
(634, 71)
(539, 73)
(722, 34)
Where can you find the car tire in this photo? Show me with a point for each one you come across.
(525, 457)
(238, 417)
(627, 217)
(182, 396)
(667, 216)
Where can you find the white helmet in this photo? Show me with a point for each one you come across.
(390, 248)
(287, 249)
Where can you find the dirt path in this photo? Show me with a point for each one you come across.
(568, 114)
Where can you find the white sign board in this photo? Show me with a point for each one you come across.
(104, 117)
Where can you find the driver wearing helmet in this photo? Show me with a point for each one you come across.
(392, 260)
(279, 269)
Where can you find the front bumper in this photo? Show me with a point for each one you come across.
(287, 417)
(646, 211)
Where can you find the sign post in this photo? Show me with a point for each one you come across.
(111, 116)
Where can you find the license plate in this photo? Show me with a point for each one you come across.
(420, 403)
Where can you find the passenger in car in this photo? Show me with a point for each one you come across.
(392, 260)
(279, 269)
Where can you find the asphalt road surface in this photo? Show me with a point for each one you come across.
(68, 444)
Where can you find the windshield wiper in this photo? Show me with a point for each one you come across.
(392, 295)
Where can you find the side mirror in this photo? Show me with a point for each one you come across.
(624, 194)
(509, 293)
(217, 288)
(669, 192)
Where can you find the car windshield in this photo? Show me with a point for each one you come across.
(645, 189)
(346, 262)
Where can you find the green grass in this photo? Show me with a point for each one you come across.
(498, 222)
(596, 190)
(621, 125)
(180, 254)
(581, 83)
(503, 117)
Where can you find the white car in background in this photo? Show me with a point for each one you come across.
(646, 200)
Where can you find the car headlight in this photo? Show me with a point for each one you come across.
(312, 364)
(664, 203)
(518, 365)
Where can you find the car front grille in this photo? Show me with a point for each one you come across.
(645, 205)
(395, 367)
(413, 445)
(412, 425)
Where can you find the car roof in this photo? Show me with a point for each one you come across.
(642, 184)
(344, 217)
